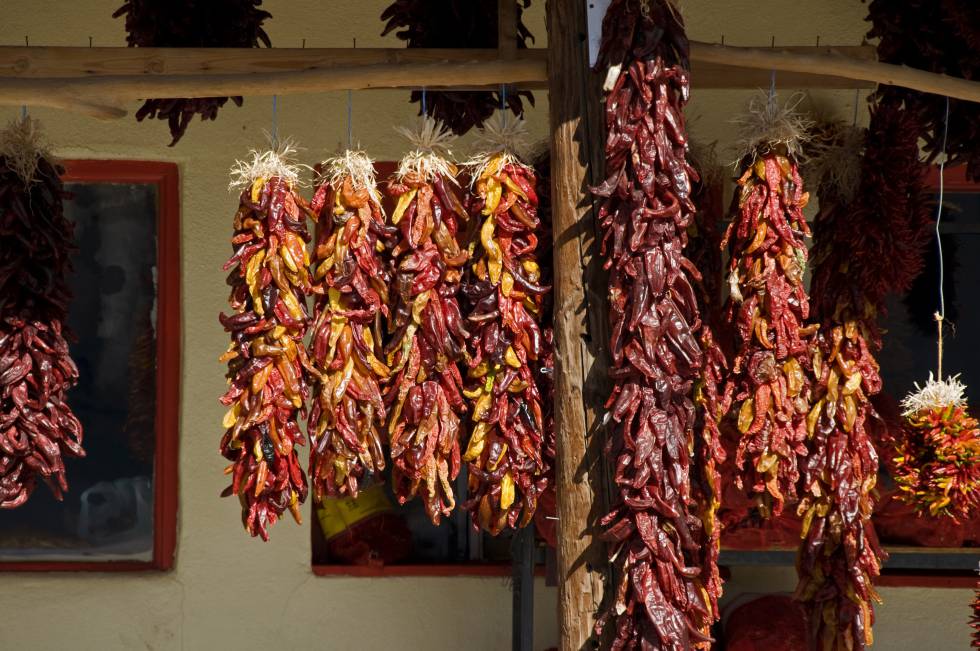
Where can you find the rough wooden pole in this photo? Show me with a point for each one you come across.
(580, 332)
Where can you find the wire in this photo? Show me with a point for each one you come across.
(939, 215)
(424, 109)
(857, 97)
(350, 113)
(503, 97)
(941, 314)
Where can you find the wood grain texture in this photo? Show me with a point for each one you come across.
(580, 333)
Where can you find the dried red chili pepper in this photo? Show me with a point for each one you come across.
(768, 305)
(507, 470)
(267, 362)
(38, 429)
(662, 598)
(191, 23)
(839, 555)
(457, 24)
(937, 462)
(351, 285)
(424, 399)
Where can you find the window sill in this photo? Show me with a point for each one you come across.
(475, 570)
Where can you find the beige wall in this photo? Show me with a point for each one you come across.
(227, 590)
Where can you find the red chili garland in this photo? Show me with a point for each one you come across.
(661, 599)
(507, 472)
(351, 283)
(840, 556)
(191, 23)
(38, 429)
(267, 390)
(424, 399)
(768, 383)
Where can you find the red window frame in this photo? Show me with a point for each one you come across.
(165, 478)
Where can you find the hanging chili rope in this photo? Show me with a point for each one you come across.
(267, 365)
(504, 302)
(457, 24)
(191, 23)
(38, 429)
(424, 398)
(768, 305)
(839, 556)
(350, 282)
(661, 598)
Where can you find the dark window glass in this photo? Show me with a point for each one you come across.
(108, 511)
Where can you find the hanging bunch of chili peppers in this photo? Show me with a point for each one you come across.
(768, 305)
(38, 429)
(839, 555)
(457, 24)
(545, 516)
(504, 301)
(267, 364)
(937, 463)
(350, 282)
(941, 37)
(191, 23)
(662, 599)
(424, 398)
(704, 250)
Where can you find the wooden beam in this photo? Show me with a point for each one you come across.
(834, 64)
(580, 329)
(40, 62)
(98, 80)
(100, 96)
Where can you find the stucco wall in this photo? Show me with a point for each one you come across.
(227, 590)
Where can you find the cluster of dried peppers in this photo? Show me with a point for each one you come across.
(839, 555)
(428, 335)
(350, 282)
(37, 427)
(267, 365)
(768, 305)
(662, 599)
(191, 23)
(941, 37)
(937, 464)
(504, 299)
(457, 24)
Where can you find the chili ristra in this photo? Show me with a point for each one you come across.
(427, 332)
(839, 554)
(38, 429)
(937, 460)
(267, 363)
(350, 281)
(661, 598)
(457, 24)
(504, 298)
(191, 23)
(768, 383)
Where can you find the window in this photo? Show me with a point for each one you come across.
(120, 511)
(923, 550)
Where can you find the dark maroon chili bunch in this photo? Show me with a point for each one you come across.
(839, 556)
(37, 427)
(939, 36)
(656, 538)
(267, 364)
(457, 24)
(191, 23)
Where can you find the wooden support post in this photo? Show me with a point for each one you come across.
(507, 29)
(580, 324)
